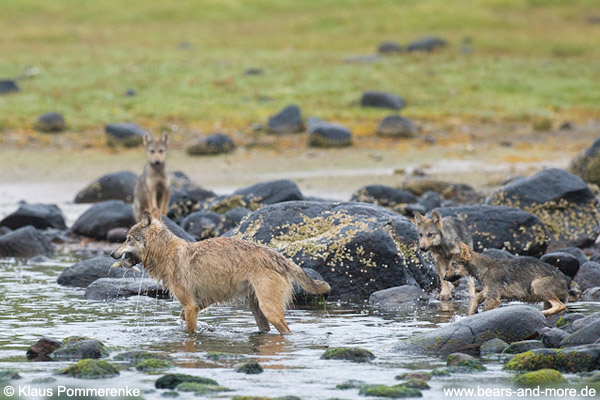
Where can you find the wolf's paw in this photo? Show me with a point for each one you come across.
(444, 296)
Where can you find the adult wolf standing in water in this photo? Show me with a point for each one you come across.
(152, 188)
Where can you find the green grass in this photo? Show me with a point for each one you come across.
(531, 59)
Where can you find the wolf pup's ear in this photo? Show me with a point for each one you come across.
(436, 218)
(165, 138)
(465, 252)
(419, 218)
(156, 213)
(146, 219)
(147, 138)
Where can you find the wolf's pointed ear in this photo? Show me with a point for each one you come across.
(465, 252)
(147, 138)
(419, 218)
(436, 218)
(165, 138)
(156, 213)
(146, 219)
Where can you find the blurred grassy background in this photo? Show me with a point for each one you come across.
(507, 60)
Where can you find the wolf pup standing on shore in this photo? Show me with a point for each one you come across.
(442, 236)
(522, 278)
(152, 188)
(215, 271)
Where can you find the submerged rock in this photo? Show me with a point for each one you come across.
(250, 367)
(91, 369)
(357, 248)
(510, 324)
(82, 273)
(396, 391)
(41, 350)
(348, 354)
(104, 289)
(153, 365)
(171, 381)
(572, 359)
(100, 218)
(78, 348)
(397, 298)
(200, 388)
(25, 242)
(40, 216)
(460, 362)
(115, 186)
(541, 377)
(563, 202)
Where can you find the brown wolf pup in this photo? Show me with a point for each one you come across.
(216, 271)
(523, 279)
(442, 236)
(152, 187)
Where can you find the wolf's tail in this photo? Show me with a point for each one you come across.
(574, 291)
(312, 286)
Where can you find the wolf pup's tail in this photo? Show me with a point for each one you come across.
(312, 286)
(574, 291)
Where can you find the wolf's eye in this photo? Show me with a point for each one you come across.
(430, 234)
(161, 151)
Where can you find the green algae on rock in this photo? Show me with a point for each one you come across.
(572, 359)
(250, 367)
(540, 377)
(348, 354)
(153, 365)
(171, 381)
(393, 392)
(90, 369)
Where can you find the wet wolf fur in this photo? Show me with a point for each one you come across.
(441, 236)
(522, 279)
(152, 187)
(217, 270)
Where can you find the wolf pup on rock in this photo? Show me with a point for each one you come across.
(152, 188)
(215, 271)
(442, 236)
(522, 279)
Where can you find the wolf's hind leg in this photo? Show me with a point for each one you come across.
(261, 320)
(272, 301)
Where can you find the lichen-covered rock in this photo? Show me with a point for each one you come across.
(567, 263)
(464, 361)
(458, 192)
(504, 228)
(218, 143)
(40, 216)
(587, 334)
(124, 134)
(153, 365)
(41, 350)
(382, 100)
(50, 122)
(171, 381)
(395, 392)
(256, 196)
(492, 346)
(104, 289)
(100, 218)
(540, 377)
(565, 204)
(510, 324)
(586, 164)
(91, 369)
(288, 120)
(115, 186)
(25, 242)
(384, 196)
(231, 219)
(82, 273)
(588, 275)
(78, 348)
(523, 346)
(357, 248)
(183, 202)
(572, 359)
(398, 298)
(202, 224)
(419, 375)
(397, 126)
(250, 367)
(348, 354)
(328, 134)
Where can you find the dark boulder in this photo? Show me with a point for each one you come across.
(41, 350)
(382, 100)
(427, 44)
(497, 253)
(389, 48)
(100, 218)
(585, 335)
(505, 228)
(202, 224)
(289, 120)
(492, 346)
(586, 164)
(104, 289)
(552, 337)
(568, 264)
(572, 359)
(82, 273)
(523, 346)
(458, 192)
(125, 134)
(430, 200)
(357, 248)
(588, 275)
(301, 297)
(579, 323)
(575, 252)
(79, 348)
(396, 126)
(231, 219)
(8, 86)
(384, 196)
(115, 186)
(398, 298)
(50, 122)
(218, 143)
(510, 324)
(25, 242)
(177, 230)
(117, 235)
(591, 294)
(565, 204)
(328, 134)
(40, 216)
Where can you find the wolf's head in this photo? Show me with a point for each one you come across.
(132, 250)
(156, 150)
(430, 230)
(458, 263)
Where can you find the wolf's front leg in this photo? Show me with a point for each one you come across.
(441, 266)
(475, 301)
(191, 317)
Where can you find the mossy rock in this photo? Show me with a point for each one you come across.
(440, 372)
(171, 381)
(222, 356)
(250, 368)
(414, 375)
(393, 392)
(77, 347)
(349, 354)
(572, 359)
(170, 394)
(417, 384)
(153, 365)
(540, 377)
(460, 362)
(350, 384)
(252, 398)
(7, 375)
(200, 388)
(137, 356)
(90, 369)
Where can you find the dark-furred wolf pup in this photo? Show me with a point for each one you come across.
(520, 279)
(216, 270)
(441, 236)
(152, 187)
